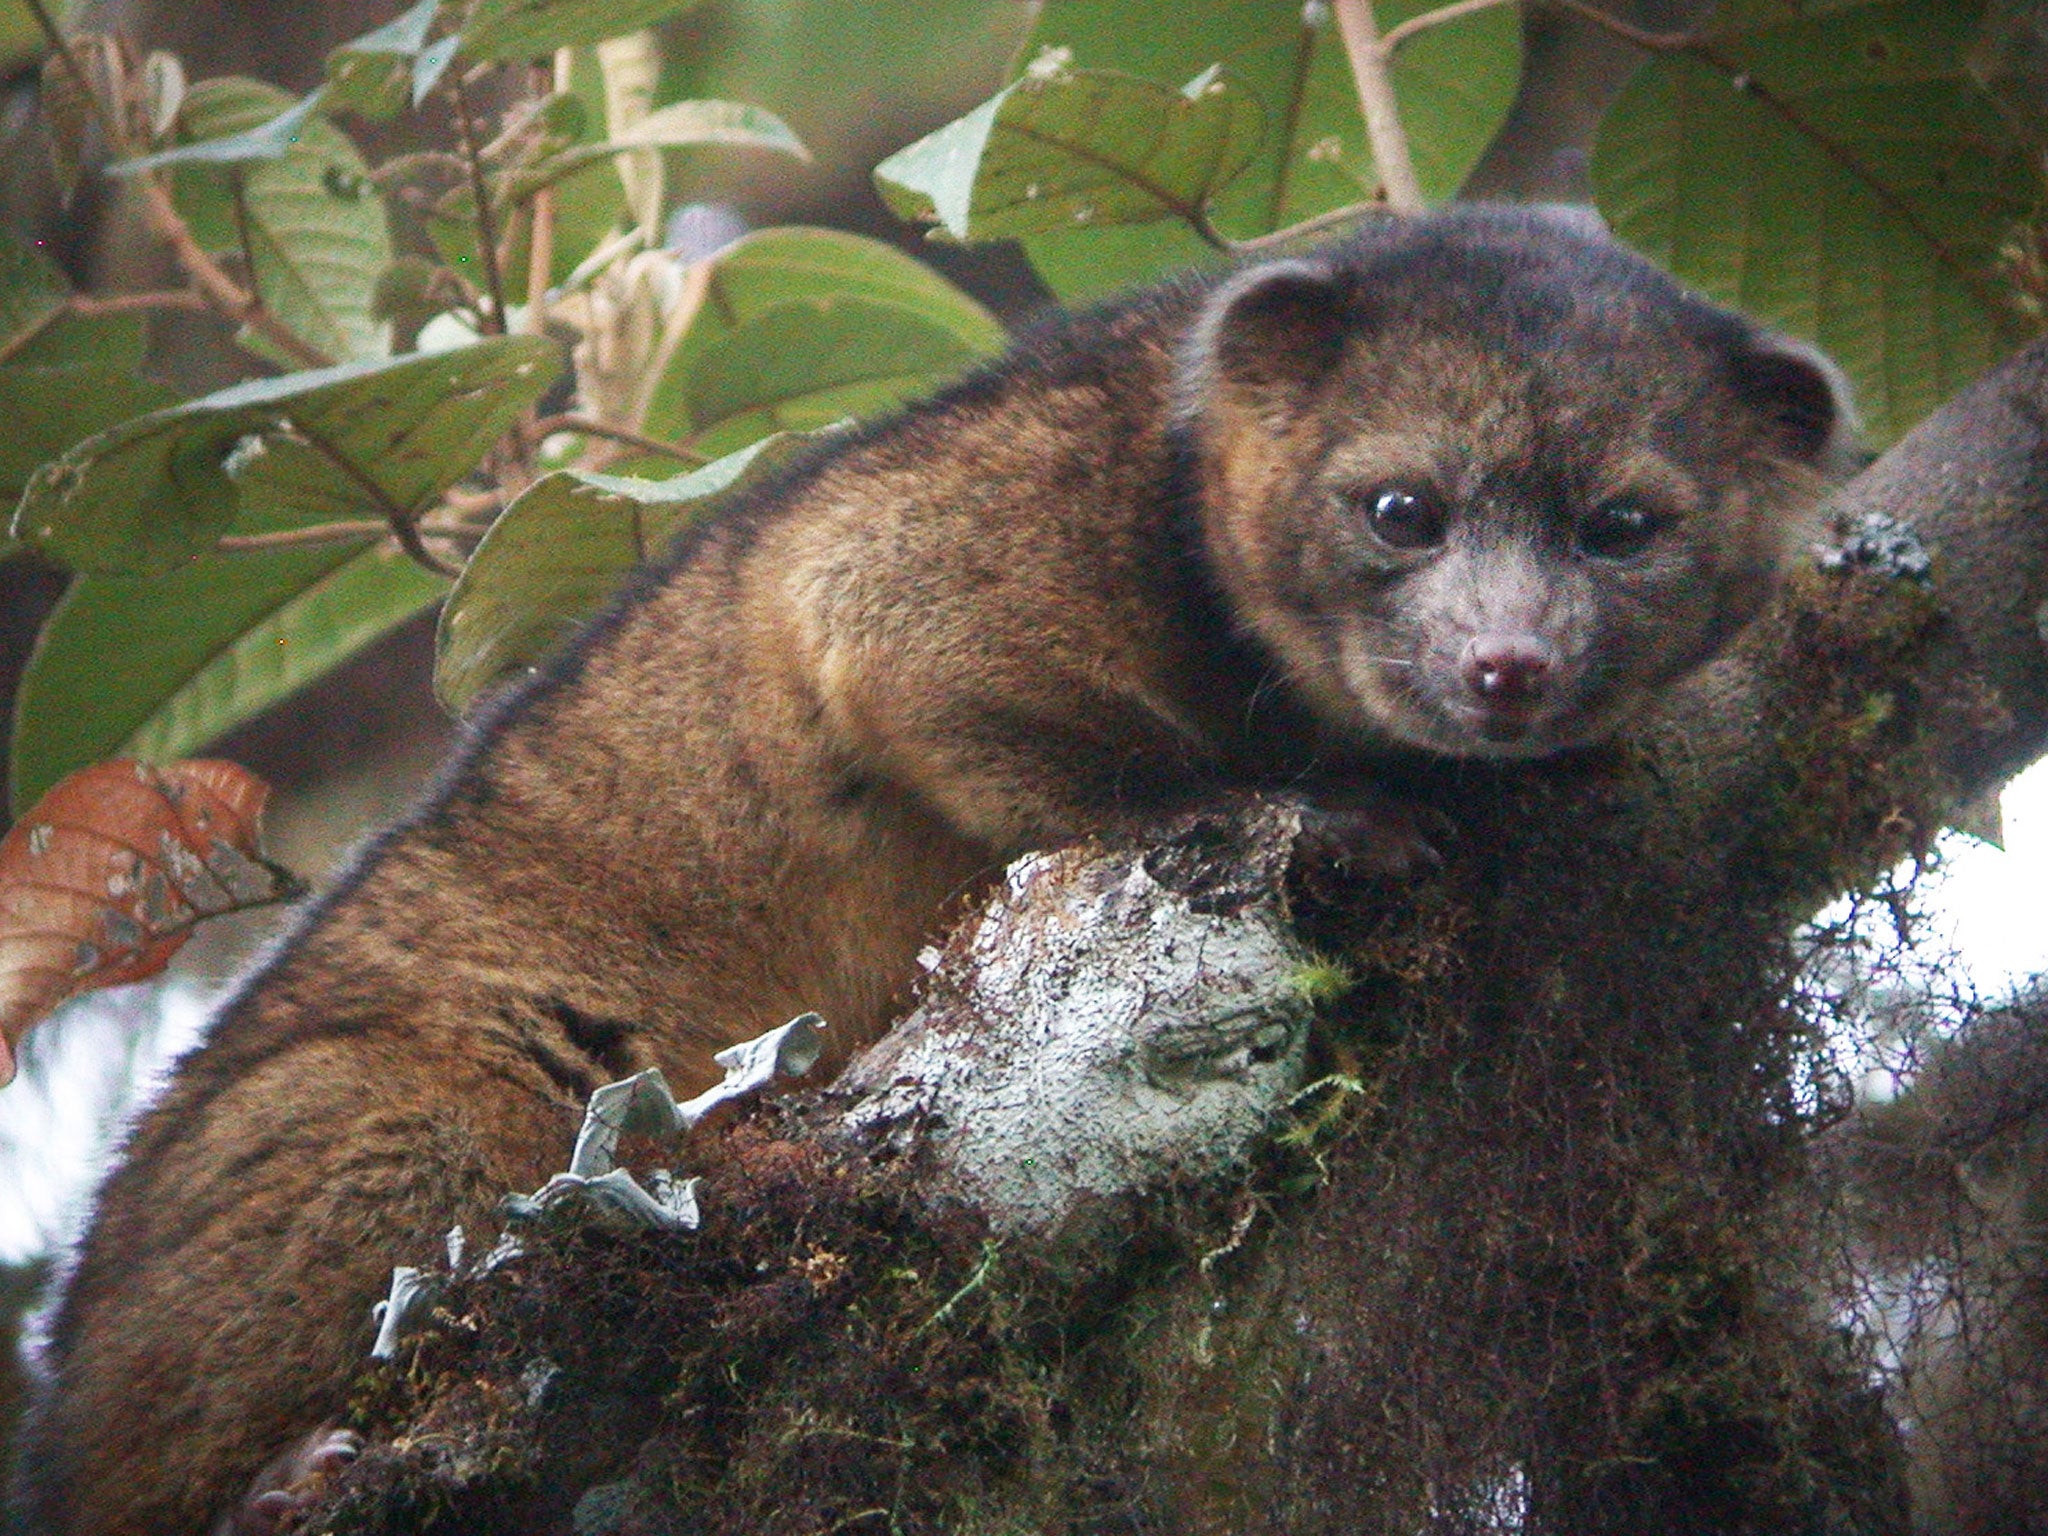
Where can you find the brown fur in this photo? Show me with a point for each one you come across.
(1120, 571)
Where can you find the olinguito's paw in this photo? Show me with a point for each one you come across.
(290, 1482)
(1365, 832)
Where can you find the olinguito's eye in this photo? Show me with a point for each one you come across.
(1618, 529)
(1404, 517)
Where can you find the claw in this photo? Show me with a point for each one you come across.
(1366, 832)
(291, 1482)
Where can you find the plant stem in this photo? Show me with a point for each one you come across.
(467, 505)
(327, 533)
(110, 123)
(317, 533)
(219, 290)
(1368, 56)
(402, 523)
(1649, 42)
(540, 259)
(238, 195)
(1436, 18)
(549, 425)
(1350, 213)
(1205, 228)
(486, 215)
(126, 303)
(214, 287)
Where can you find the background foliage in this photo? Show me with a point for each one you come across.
(489, 358)
(1849, 174)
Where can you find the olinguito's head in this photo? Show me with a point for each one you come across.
(1485, 482)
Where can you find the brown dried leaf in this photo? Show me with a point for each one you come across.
(105, 878)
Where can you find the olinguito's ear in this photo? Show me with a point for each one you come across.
(1803, 398)
(1266, 339)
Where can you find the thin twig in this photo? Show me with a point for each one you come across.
(1649, 42)
(467, 504)
(540, 255)
(486, 215)
(540, 259)
(1436, 18)
(330, 533)
(125, 303)
(547, 426)
(1336, 218)
(403, 524)
(221, 291)
(317, 533)
(110, 123)
(215, 288)
(238, 198)
(1396, 166)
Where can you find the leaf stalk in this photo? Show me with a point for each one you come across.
(486, 213)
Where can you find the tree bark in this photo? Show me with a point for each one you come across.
(1108, 1237)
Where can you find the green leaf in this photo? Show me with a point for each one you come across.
(113, 341)
(354, 440)
(386, 70)
(1454, 83)
(526, 29)
(1875, 232)
(21, 40)
(826, 68)
(309, 221)
(158, 667)
(33, 292)
(271, 139)
(800, 328)
(559, 551)
(681, 126)
(49, 409)
(1057, 149)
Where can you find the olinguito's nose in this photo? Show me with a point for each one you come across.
(1506, 669)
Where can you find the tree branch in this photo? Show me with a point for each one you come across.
(1383, 127)
(1536, 1184)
